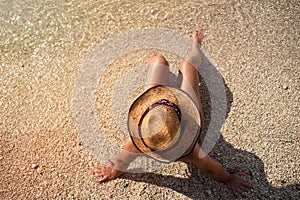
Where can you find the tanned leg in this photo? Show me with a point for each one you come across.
(190, 74)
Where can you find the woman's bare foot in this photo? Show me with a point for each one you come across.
(194, 56)
(198, 36)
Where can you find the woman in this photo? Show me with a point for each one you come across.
(164, 123)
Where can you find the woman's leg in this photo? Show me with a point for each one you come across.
(189, 72)
(158, 71)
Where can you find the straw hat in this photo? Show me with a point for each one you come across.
(164, 123)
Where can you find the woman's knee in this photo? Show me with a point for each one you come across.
(158, 59)
(187, 67)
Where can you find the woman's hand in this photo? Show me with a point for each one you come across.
(106, 173)
(122, 161)
(237, 185)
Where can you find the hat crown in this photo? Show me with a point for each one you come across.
(160, 126)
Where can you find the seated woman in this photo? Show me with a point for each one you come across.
(165, 123)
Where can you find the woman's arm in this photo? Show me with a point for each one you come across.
(234, 181)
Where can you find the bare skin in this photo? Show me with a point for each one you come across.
(129, 153)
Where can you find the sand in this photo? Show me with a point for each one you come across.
(43, 44)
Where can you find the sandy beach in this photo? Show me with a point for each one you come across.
(254, 45)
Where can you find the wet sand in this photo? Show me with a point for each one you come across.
(253, 44)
